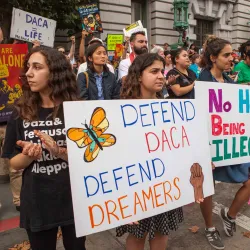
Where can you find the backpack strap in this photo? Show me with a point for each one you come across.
(87, 78)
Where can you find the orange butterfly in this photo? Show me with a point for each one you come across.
(92, 136)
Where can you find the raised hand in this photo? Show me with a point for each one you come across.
(84, 33)
(197, 179)
(36, 43)
(30, 149)
(73, 39)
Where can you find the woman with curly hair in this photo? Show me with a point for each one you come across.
(36, 142)
(145, 81)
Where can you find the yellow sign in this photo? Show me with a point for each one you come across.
(112, 40)
(4, 72)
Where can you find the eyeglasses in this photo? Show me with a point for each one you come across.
(63, 52)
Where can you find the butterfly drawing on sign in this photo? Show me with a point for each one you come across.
(93, 136)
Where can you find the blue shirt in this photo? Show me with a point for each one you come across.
(194, 67)
(98, 81)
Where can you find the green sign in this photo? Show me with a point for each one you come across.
(112, 40)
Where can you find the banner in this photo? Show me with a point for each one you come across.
(228, 108)
(90, 16)
(28, 27)
(113, 40)
(132, 159)
(11, 62)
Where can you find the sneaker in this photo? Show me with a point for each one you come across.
(229, 225)
(214, 239)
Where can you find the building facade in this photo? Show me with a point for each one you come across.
(228, 19)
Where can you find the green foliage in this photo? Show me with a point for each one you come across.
(63, 11)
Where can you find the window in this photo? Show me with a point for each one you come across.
(139, 11)
(202, 29)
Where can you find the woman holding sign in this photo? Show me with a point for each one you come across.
(36, 142)
(216, 59)
(145, 80)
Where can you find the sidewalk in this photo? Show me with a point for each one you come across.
(183, 239)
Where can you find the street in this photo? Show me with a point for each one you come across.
(182, 239)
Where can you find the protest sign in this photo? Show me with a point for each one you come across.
(11, 62)
(90, 16)
(28, 27)
(132, 159)
(228, 108)
(132, 28)
(112, 40)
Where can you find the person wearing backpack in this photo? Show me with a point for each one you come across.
(98, 83)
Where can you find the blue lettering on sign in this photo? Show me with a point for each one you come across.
(33, 34)
(36, 21)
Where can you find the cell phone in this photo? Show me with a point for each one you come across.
(236, 73)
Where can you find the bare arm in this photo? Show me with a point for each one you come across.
(20, 161)
(82, 46)
(180, 91)
(72, 48)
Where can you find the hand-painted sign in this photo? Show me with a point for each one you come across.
(28, 27)
(11, 62)
(228, 108)
(130, 160)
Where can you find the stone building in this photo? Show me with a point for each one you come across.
(229, 19)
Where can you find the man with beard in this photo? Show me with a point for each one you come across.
(139, 45)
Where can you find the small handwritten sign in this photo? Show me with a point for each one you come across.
(130, 160)
(28, 27)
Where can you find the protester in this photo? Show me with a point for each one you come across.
(46, 201)
(83, 67)
(166, 46)
(183, 87)
(97, 83)
(139, 45)
(71, 54)
(145, 80)
(242, 69)
(216, 59)
(168, 62)
(159, 50)
(195, 59)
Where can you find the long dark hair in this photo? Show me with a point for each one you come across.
(131, 88)
(90, 51)
(175, 54)
(243, 49)
(62, 82)
(212, 47)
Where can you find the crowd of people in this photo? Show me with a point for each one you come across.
(50, 77)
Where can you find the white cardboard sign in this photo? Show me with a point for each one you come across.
(132, 159)
(28, 27)
(228, 108)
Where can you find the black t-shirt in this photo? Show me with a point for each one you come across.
(46, 200)
(184, 81)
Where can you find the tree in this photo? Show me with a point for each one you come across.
(63, 11)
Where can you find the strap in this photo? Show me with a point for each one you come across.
(87, 78)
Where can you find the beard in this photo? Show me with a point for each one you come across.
(139, 51)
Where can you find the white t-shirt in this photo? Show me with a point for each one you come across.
(123, 68)
(83, 67)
